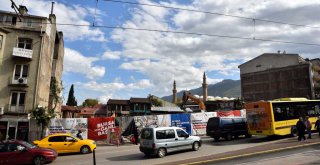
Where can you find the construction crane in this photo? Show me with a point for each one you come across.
(186, 96)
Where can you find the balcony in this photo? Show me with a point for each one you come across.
(16, 109)
(22, 53)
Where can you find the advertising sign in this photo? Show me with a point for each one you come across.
(69, 125)
(199, 122)
(182, 121)
(98, 127)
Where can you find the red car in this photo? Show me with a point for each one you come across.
(14, 152)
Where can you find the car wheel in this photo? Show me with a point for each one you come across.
(217, 138)
(228, 136)
(39, 160)
(196, 146)
(85, 149)
(161, 152)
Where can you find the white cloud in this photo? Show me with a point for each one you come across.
(113, 55)
(165, 57)
(66, 14)
(104, 99)
(112, 89)
(77, 63)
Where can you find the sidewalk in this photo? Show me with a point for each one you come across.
(285, 144)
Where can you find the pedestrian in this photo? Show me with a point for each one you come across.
(308, 126)
(136, 135)
(301, 127)
(79, 135)
(317, 125)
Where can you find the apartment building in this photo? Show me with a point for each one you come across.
(279, 75)
(31, 56)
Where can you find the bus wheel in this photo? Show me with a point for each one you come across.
(294, 131)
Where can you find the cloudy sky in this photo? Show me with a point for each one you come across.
(105, 62)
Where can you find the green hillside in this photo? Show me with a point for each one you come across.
(225, 88)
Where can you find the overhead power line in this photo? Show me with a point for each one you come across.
(178, 32)
(192, 33)
(212, 13)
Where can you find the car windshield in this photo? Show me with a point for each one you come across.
(29, 145)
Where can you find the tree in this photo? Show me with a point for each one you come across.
(90, 102)
(43, 117)
(71, 99)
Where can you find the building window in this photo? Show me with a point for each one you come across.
(1, 39)
(17, 101)
(8, 19)
(25, 43)
(21, 71)
(27, 22)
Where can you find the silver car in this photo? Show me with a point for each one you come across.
(161, 140)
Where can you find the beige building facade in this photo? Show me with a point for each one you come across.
(279, 75)
(31, 55)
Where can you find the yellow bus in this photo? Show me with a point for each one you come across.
(279, 117)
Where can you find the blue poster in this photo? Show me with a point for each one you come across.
(182, 121)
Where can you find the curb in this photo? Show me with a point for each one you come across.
(251, 154)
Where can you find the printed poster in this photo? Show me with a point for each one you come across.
(69, 125)
(199, 122)
(152, 121)
(114, 135)
(182, 121)
(98, 127)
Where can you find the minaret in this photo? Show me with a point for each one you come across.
(205, 87)
(174, 95)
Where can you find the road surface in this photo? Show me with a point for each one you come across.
(130, 154)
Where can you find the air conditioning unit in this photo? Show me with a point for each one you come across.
(22, 80)
(1, 110)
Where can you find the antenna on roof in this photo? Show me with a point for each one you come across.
(52, 7)
(16, 9)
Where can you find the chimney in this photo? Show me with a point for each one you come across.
(23, 10)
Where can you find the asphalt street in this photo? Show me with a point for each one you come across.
(130, 154)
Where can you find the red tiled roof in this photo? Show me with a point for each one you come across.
(90, 110)
(69, 108)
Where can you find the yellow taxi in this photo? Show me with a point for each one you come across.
(66, 143)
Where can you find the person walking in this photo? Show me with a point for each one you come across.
(301, 127)
(79, 135)
(317, 125)
(308, 126)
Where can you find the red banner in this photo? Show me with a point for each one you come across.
(98, 127)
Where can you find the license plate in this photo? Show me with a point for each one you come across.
(145, 143)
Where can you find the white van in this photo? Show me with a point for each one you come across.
(159, 141)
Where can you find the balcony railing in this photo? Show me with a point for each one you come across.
(24, 53)
(16, 109)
